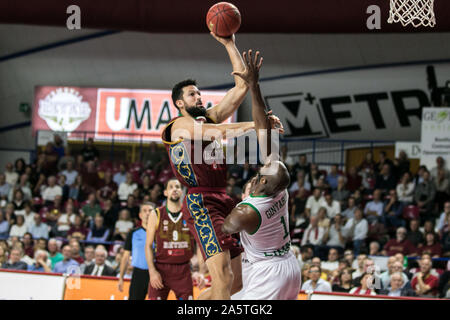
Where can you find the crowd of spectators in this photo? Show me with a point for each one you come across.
(66, 211)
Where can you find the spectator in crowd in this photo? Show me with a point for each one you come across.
(41, 264)
(78, 190)
(65, 220)
(374, 209)
(440, 165)
(90, 176)
(132, 207)
(324, 221)
(350, 258)
(18, 200)
(385, 181)
(58, 145)
(354, 180)
(300, 183)
(316, 261)
(49, 160)
(357, 229)
(76, 251)
(314, 203)
(332, 206)
(394, 266)
(121, 176)
(28, 244)
(305, 272)
(78, 230)
(396, 287)
(98, 232)
(399, 245)
(19, 229)
(4, 226)
(349, 212)
(374, 249)
(313, 235)
(443, 218)
(89, 258)
(67, 264)
(316, 283)
(393, 210)
(298, 215)
(62, 182)
(335, 236)
(332, 177)
(424, 195)
(11, 176)
(23, 187)
(405, 189)
(333, 261)
(123, 225)
(108, 188)
(89, 151)
(401, 165)
(155, 195)
(51, 191)
(5, 187)
(414, 235)
(383, 160)
(14, 262)
(3, 254)
(367, 163)
(363, 288)
(442, 189)
(39, 229)
(424, 283)
(62, 162)
(446, 238)
(345, 281)
(91, 208)
(341, 194)
(428, 226)
(368, 181)
(54, 254)
(444, 283)
(306, 253)
(126, 188)
(431, 246)
(145, 187)
(70, 173)
(110, 214)
(301, 165)
(315, 175)
(99, 268)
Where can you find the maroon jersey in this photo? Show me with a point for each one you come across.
(174, 243)
(211, 170)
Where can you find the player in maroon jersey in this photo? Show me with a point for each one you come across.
(193, 143)
(169, 265)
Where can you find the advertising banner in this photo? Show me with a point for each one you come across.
(133, 114)
(435, 140)
(412, 149)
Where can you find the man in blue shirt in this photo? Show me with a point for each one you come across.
(4, 187)
(41, 262)
(68, 264)
(332, 177)
(374, 209)
(14, 262)
(38, 229)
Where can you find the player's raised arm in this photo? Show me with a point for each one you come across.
(234, 97)
(155, 277)
(243, 217)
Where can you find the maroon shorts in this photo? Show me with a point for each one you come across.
(205, 213)
(175, 277)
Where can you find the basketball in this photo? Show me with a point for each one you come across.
(223, 19)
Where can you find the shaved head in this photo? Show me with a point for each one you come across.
(272, 178)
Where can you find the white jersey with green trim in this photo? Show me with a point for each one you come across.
(271, 240)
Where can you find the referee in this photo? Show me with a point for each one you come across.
(135, 245)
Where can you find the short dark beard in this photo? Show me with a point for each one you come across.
(174, 200)
(196, 111)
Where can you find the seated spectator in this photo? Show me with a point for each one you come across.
(123, 225)
(52, 190)
(369, 267)
(11, 176)
(305, 272)
(401, 165)
(79, 190)
(76, 251)
(3, 254)
(324, 221)
(301, 182)
(446, 238)
(70, 173)
(28, 244)
(385, 181)
(424, 196)
(345, 281)
(374, 249)
(368, 181)
(121, 176)
(110, 214)
(440, 165)
(23, 186)
(4, 226)
(62, 182)
(27, 214)
(350, 258)
(443, 218)
(315, 175)
(77, 230)
(357, 229)
(41, 264)
(414, 235)
(89, 258)
(333, 207)
(39, 229)
(399, 245)
(363, 288)
(298, 215)
(99, 268)
(65, 221)
(19, 229)
(306, 253)
(335, 236)
(90, 176)
(431, 246)
(405, 189)
(354, 180)
(108, 188)
(126, 188)
(424, 283)
(393, 211)
(67, 264)
(316, 261)
(394, 266)
(14, 262)
(313, 234)
(132, 207)
(333, 261)
(368, 162)
(444, 283)
(341, 194)
(441, 183)
(10, 216)
(332, 177)
(5, 187)
(155, 196)
(383, 160)
(349, 212)
(98, 232)
(91, 208)
(316, 283)
(396, 287)
(54, 254)
(314, 203)
(374, 209)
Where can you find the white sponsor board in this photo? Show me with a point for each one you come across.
(412, 149)
(435, 140)
(29, 286)
(319, 296)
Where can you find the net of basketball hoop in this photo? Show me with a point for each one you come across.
(415, 12)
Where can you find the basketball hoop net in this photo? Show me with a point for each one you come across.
(415, 12)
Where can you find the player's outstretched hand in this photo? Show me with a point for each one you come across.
(224, 40)
(252, 65)
(156, 280)
(275, 122)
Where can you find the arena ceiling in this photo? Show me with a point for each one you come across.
(175, 16)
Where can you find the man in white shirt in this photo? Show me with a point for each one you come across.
(374, 209)
(70, 173)
(333, 260)
(52, 190)
(10, 175)
(126, 188)
(357, 229)
(333, 207)
(316, 283)
(314, 203)
(313, 235)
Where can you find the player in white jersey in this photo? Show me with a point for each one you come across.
(269, 270)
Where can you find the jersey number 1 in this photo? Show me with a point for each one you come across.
(286, 233)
